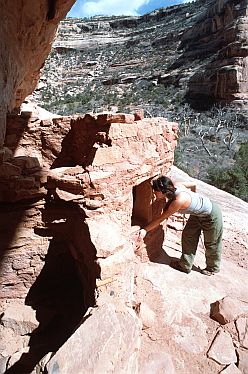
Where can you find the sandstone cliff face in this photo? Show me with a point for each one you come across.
(152, 61)
(27, 31)
(221, 32)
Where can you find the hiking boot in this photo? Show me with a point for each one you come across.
(209, 272)
(175, 264)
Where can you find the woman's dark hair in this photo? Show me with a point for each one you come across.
(164, 185)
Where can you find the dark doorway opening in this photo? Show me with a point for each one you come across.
(58, 297)
(146, 209)
(142, 204)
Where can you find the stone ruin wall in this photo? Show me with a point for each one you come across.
(97, 194)
(74, 192)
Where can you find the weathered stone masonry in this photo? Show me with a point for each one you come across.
(105, 164)
(74, 194)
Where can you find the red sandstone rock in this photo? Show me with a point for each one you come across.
(225, 310)
(115, 118)
(159, 362)
(100, 240)
(112, 143)
(11, 341)
(28, 35)
(8, 170)
(231, 369)
(108, 345)
(146, 315)
(5, 155)
(139, 114)
(243, 361)
(20, 318)
(222, 349)
(222, 30)
(241, 325)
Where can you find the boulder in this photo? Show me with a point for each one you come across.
(222, 349)
(225, 310)
(102, 344)
(20, 318)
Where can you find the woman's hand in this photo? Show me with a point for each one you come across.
(142, 233)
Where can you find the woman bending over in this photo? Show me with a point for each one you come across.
(205, 216)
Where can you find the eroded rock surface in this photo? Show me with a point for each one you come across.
(28, 32)
(222, 349)
(226, 310)
(221, 35)
(198, 48)
(108, 345)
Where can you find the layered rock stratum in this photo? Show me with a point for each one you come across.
(197, 50)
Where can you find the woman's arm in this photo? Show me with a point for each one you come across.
(174, 206)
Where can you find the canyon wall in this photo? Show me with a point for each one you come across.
(219, 37)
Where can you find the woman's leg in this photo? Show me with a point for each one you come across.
(212, 231)
(190, 238)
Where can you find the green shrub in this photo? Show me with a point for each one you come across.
(182, 164)
(241, 158)
(233, 179)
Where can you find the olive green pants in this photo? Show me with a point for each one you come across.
(212, 228)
